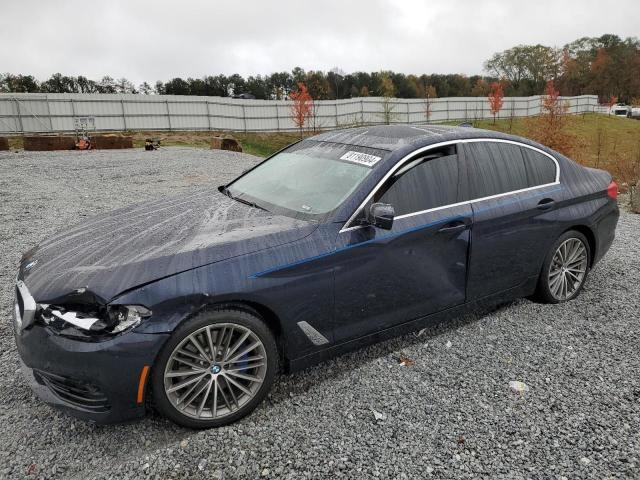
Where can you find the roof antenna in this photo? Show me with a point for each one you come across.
(466, 124)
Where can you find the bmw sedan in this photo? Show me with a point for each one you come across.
(192, 304)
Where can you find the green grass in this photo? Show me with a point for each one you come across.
(16, 143)
(259, 144)
(265, 144)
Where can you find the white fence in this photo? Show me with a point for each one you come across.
(52, 113)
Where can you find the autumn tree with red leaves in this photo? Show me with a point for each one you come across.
(302, 106)
(496, 94)
(549, 128)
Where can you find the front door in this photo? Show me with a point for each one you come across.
(387, 277)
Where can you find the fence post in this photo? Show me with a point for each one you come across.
(18, 111)
(124, 116)
(244, 117)
(49, 113)
(206, 102)
(166, 103)
(277, 116)
(73, 109)
(447, 105)
(19, 114)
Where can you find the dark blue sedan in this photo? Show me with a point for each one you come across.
(192, 304)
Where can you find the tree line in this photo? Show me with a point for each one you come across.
(607, 66)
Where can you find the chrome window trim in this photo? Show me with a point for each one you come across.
(411, 155)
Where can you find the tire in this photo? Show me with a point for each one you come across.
(574, 248)
(188, 398)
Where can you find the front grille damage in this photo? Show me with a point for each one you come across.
(78, 394)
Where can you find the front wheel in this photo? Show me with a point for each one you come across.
(215, 369)
(565, 269)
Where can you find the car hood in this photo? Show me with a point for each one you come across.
(115, 252)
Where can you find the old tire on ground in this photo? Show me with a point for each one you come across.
(215, 369)
(565, 269)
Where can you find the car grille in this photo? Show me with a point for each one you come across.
(79, 394)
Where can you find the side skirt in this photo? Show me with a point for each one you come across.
(523, 290)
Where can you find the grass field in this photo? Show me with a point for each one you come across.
(260, 144)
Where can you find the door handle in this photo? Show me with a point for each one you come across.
(452, 227)
(546, 204)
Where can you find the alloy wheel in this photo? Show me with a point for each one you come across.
(568, 269)
(215, 371)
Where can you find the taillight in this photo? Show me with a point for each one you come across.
(612, 190)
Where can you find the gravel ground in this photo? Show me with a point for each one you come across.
(447, 412)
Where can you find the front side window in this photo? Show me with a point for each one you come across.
(308, 180)
(427, 182)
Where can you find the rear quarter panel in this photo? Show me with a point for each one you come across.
(583, 202)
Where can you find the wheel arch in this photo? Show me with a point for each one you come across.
(258, 309)
(591, 238)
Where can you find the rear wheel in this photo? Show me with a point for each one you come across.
(215, 369)
(565, 269)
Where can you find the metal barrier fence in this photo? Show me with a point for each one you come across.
(22, 113)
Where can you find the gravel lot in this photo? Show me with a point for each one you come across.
(448, 413)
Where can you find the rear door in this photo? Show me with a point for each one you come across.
(512, 189)
(387, 277)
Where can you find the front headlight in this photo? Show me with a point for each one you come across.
(83, 320)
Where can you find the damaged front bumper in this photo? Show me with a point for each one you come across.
(93, 380)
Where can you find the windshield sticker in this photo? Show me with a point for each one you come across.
(361, 158)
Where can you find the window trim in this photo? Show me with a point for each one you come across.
(411, 155)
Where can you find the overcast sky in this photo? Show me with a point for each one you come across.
(159, 40)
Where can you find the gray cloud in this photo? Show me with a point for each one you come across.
(163, 39)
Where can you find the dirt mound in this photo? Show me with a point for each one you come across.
(44, 143)
(225, 143)
(104, 142)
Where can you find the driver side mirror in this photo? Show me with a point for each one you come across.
(380, 215)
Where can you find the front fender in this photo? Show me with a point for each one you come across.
(285, 280)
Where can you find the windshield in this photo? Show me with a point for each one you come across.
(308, 180)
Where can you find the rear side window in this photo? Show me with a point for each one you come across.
(540, 168)
(493, 168)
(426, 182)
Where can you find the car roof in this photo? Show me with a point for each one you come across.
(396, 137)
